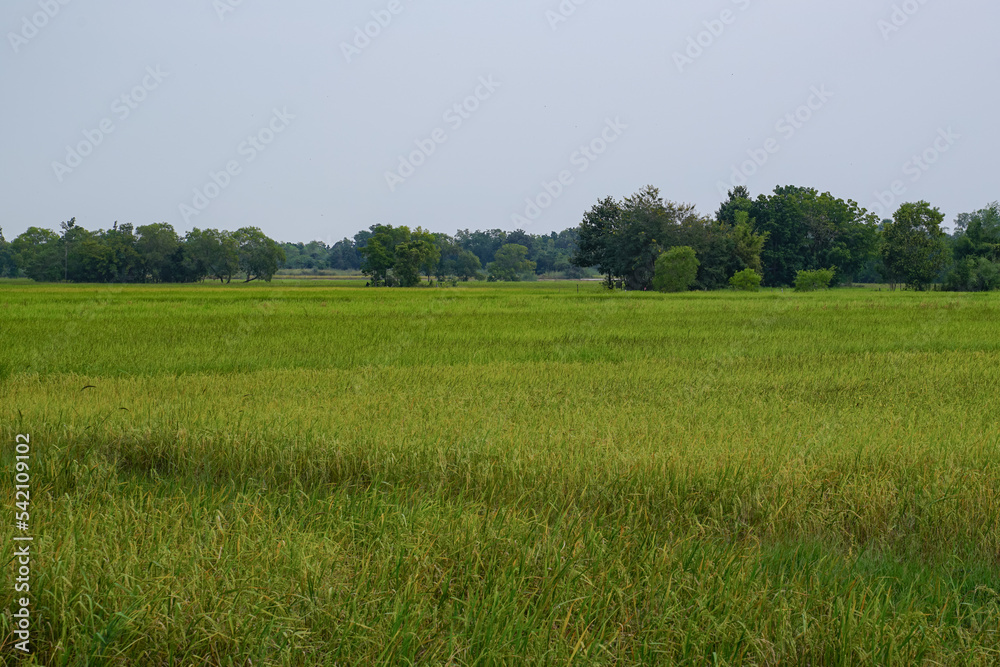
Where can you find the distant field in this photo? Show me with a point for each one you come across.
(317, 474)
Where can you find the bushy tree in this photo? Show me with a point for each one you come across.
(212, 254)
(158, 245)
(38, 254)
(378, 254)
(259, 256)
(746, 280)
(676, 270)
(913, 246)
(810, 281)
(511, 264)
(749, 244)
(976, 248)
(483, 244)
(8, 267)
(468, 266)
(344, 256)
(411, 257)
(973, 274)
(807, 230)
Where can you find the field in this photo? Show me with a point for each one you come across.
(319, 474)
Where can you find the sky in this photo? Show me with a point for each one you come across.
(314, 120)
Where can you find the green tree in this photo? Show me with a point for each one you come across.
(259, 256)
(749, 244)
(810, 281)
(71, 235)
(379, 252)
(746, 280)
(483, 245)
(39, 255)
(807, 230)
(914, 249)
(739, 200)
(978, 234)
(158, 246)
(676, 270)
(468, 266)
(973, 274)
(428, 251)
(601, 224)
(413, 256)
(511, 263)
(8, 266)
(125, 262)
(212, 254)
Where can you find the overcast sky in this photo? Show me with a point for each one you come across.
(288, 116)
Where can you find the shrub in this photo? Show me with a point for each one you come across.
(676, 270)
(809, 281)
(746, 280)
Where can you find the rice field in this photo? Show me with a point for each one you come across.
(323, 474)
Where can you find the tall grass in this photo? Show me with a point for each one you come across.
(303, 475)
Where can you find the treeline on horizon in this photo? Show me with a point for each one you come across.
(146, 254)
(772, 240)
(778, 238)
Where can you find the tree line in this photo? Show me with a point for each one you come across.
(147, 254)
(790, 237)
(795, 236)
(395, 255)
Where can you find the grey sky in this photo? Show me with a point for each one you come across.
(879, 98)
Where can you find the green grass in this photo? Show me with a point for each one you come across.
(314, 474)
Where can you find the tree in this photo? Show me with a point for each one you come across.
(158, 244)
(483, 245)
(596, 236)
(413, 256)
(210, 254)
(510, 263)
(379, 252)
(344, 256)
(467, 266)
(978, 234)
(739, 200)
(746, 280)
(38, 254)
(807, 230)
(676, 270)
(68, 236)
(125, 264)
(259, 256)
(8, 265)
(810, 281)
(749, 244)
(913, 246)
(625, 239)
(428, 253)
(973, 274)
